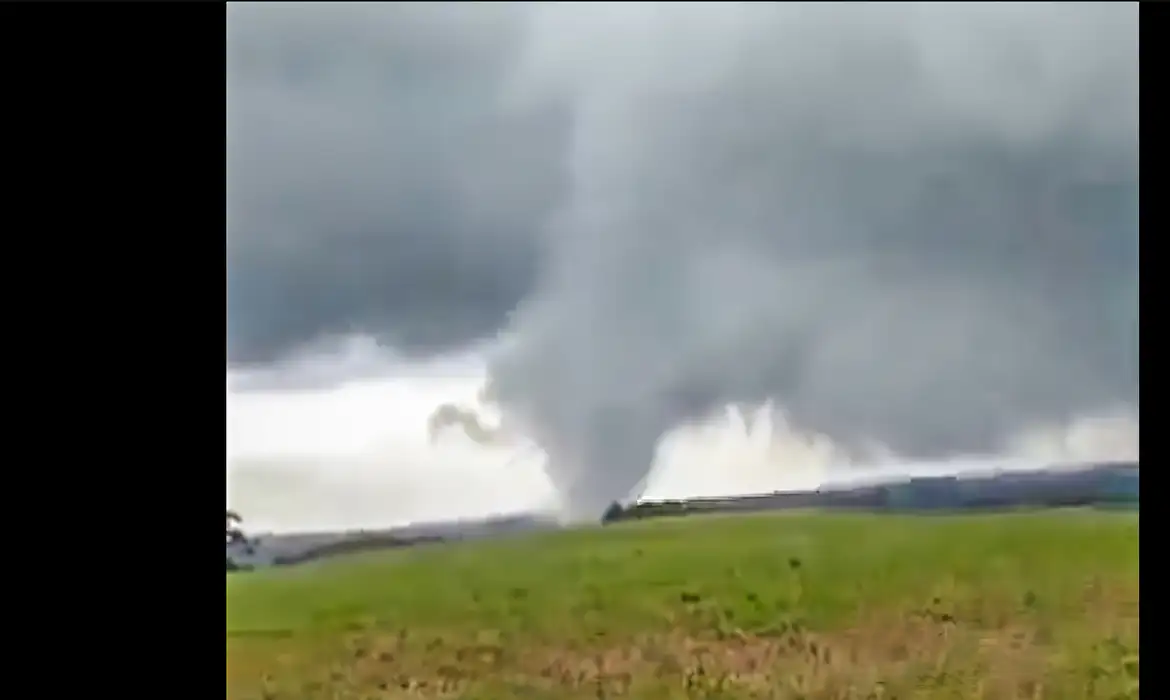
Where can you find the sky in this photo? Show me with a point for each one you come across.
(911, 226)
(337, 455)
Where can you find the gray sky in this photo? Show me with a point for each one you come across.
(378, 181)
(908, 223)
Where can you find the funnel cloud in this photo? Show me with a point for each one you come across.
(911, 226)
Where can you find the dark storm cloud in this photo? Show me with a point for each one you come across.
(913, 224)
(379, 180)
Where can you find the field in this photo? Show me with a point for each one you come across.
(1025, 605)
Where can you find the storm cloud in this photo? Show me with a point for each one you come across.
(912, 225)
(379, 180)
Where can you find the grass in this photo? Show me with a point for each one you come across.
(1026, 605)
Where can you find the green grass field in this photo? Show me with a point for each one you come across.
(1027, 605)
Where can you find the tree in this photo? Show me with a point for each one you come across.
(234, 533)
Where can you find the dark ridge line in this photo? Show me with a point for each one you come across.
(355, 546)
